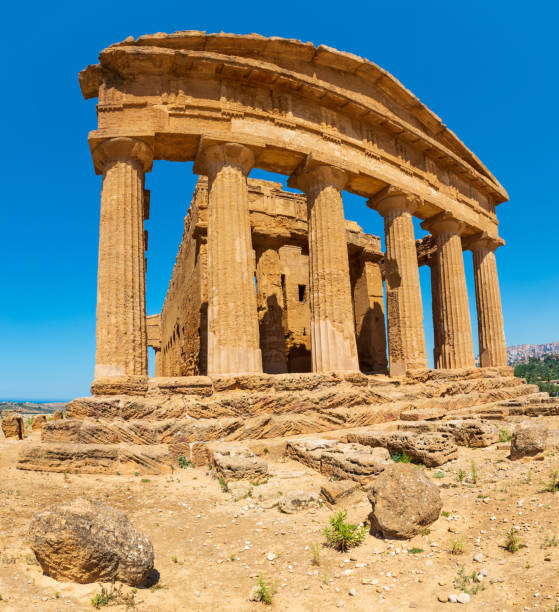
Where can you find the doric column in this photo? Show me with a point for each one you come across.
(368, 303)
(233, 343)
(433, 263)
(333, 344)
(406, 338)
(491, 333)
(121, 292)
(457, 349)
(270, 307)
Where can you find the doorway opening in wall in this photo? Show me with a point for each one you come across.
(151, 362)
(302, 293)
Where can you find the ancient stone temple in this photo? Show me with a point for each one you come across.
(274, 322)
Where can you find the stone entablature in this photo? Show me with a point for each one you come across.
(287, 100)
(279, 231)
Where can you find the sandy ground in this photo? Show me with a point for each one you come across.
(210, 548)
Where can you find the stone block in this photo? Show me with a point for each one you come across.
(12, 425)
(431, 449)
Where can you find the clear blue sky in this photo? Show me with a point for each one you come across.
(488, 68)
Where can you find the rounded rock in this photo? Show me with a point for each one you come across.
(403, 501)
(84, 541)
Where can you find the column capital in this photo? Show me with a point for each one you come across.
(312, 175)
(212, 157)
(393, 198)
(443, 222)
(122, 148)
(482, 241)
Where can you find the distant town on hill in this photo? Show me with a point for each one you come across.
(521, 353)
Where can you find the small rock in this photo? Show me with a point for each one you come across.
(442, 597)
(452, 598)
(298, 500)
(478, 558)
(352, 592)
(463, 598)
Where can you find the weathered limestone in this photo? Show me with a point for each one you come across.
(12, 425)
(368, 303)
(431, 449)
(406, 340)
(528, 440)
(491, 333)
(457, 349)
(236, 462)
(333, 344)
(233, 343)
(121, 290)
(237, 325)
(436, 308)
(270, 308)
(403, 501)
(85, 541)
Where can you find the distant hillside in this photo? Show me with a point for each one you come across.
(32, 407)
(523, 352)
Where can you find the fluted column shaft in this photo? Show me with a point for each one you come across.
(406, 338)
(457, 349)
(121, 292)
(270, 309)
(491, 332)
(436, 308)
(333, 345)
(233, 340)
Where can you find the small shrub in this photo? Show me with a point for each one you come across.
(184, 462)
(402, 457)
(505, 435)
(457, 546)
(474, 475)
(174, 559)
(551, 485)
(144, 480)
(461, 475)
(265, 591)
(315, 551)
(415, 551)
(512, 540)
(223, 484)
(445, 513)
(468, 583)
(439, 475)
(549, 542)
(342, 535)
(425, 531)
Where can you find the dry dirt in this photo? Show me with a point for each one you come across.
(210, 549)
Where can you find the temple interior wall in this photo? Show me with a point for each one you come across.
(279, 229)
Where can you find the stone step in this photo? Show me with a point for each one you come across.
(243, 405)
(96, 458)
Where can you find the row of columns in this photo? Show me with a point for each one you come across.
(233, 326)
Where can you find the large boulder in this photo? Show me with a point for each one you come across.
(83, 541)
(431, 448)
(12, 425)
(404, 501)
(528, 440)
